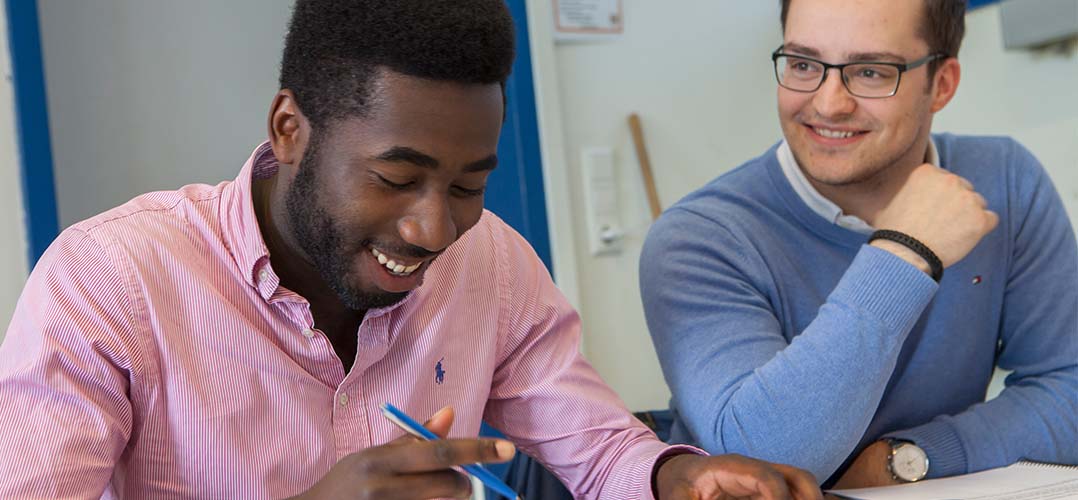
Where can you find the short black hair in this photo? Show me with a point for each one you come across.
(334, 49)
(943, 25)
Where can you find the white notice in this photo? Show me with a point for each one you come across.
(587, 17)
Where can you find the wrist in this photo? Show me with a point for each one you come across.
(903, 252)
(935, 265)
(657, 471)
(906, 462)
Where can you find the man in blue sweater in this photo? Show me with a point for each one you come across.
(790, 329)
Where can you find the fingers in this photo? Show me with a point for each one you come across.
(742, 477)
(962, 181)
(440, 484)
(441, 422)
(992, 220)
(802, 484)
(772, 485)
(425, 456)
(692, 477)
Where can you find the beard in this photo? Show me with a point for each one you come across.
(322, 239)
(863, 175)
(871, 171)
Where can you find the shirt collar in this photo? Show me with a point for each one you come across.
(242, 233)
(817, 202)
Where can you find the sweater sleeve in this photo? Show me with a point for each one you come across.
(740, 386)
(1036, 416)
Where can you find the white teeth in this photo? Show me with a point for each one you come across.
(833, 134)
(393, 266)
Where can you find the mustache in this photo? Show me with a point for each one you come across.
(402, 249)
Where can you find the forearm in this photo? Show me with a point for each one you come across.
(579, 429)
(1034, 419)
(549, 401)
(808, 403)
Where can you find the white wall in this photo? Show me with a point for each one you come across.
(1032, 96)
(154, 94)
(699, 74)
(13, 249)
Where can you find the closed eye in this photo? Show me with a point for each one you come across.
(467, 193)
(395, 185)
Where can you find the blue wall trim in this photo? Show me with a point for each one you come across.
(515, 190)
(32, 126)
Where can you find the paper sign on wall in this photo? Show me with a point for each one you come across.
(587, 19)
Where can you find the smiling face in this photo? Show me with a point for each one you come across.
(841, 140)
(376, 198)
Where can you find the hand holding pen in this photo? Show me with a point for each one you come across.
(406, 423)
(407, 468)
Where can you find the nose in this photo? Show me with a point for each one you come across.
(832, 100)
(429, 225)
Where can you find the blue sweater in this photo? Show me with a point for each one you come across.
(785, 337)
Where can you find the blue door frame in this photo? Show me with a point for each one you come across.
(32, 127)
(515, 189)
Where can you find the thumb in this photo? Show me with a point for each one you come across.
(441, 422)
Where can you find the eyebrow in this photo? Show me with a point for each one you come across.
(854, 57)
(404, 154)
(876, 56)
(800, 49)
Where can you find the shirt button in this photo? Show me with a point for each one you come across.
(263, 275)
(307, 332)
(343, 399)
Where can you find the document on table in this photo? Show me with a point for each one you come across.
(1020, 481)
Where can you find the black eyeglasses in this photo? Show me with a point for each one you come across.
(873, 80)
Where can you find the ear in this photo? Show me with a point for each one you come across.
(289, 130)
(945, 83)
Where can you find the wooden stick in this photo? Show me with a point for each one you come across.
(645, 165)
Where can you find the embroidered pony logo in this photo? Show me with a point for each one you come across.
(439, 373)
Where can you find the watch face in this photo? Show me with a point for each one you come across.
(909, 462)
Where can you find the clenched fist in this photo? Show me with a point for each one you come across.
(940, 209)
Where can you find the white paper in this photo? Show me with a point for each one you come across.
(1021, 481)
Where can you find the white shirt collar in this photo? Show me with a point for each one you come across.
(817, 202)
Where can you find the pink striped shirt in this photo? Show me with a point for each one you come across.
(153, 354)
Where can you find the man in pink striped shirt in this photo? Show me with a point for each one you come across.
(236, 341)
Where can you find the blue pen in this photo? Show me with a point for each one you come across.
(409, 425)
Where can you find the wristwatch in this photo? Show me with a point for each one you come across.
(908, 462)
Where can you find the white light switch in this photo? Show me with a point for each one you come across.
(601, 200)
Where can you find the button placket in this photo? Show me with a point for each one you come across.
(349, 428)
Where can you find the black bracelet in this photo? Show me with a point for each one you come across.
(919, 248)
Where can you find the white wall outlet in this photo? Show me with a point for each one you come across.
(605, 233)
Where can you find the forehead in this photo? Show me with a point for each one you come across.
(436, 117)
(839, 28)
